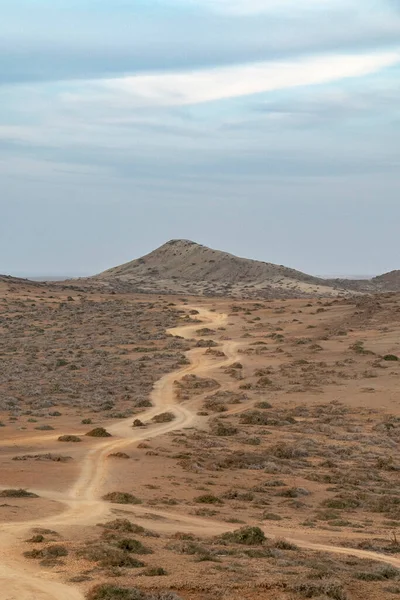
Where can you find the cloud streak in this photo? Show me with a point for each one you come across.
(224, 83)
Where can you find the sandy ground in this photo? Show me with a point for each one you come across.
(70, 494)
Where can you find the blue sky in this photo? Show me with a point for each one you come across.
(268, 128)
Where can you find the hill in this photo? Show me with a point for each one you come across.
(388, 281)
(182, 266)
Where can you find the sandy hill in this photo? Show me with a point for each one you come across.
(182, 266)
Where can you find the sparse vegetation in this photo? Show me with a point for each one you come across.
(121, 498)
(165, 417)
(17, 493)
(98, 432)
(248, 536)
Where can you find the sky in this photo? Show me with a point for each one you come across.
(265, 128)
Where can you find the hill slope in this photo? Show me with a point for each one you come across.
(182, 266)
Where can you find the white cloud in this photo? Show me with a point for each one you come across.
(195, 87)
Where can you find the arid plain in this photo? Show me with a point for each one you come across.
(238, 449)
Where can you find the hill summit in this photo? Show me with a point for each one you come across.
(183, 266)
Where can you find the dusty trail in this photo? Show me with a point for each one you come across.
(19, 581)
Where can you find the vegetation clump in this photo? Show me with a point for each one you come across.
(99, 432)
(132, 545)
(108, 591)
(208, 499)
(223, 429)
(164, 417)
(248, 536)
(123, 525)
(107, 555)
(119, 455)
(321, 589)
(69, 438)
(20, 493)
(51, 552)
(121, 498)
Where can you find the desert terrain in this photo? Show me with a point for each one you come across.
(175, 447)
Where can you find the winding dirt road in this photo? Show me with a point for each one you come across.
(20, 581)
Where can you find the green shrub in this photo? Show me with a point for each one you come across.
(249, 536)
(69, 438)
(391, 357)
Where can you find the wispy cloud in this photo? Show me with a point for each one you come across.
(223, 83)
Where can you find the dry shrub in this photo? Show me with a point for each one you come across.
(69, 438)
(248, 536)
(121, 498)
(11, 493)
(164, 417)
(98, 432)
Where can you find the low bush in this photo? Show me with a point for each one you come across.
(282, 544)
(11, 493)
(109, 556)
(249, 536)
(108, 591)
(384, 573)
(208, 499)
(132, 545)
(163, 417)
(326, 588)
(121, 498)
(119, 455)
(69, 438)
(223, 429)
(51, 552)
(263, 405)
(123, 525)
(98, 432)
